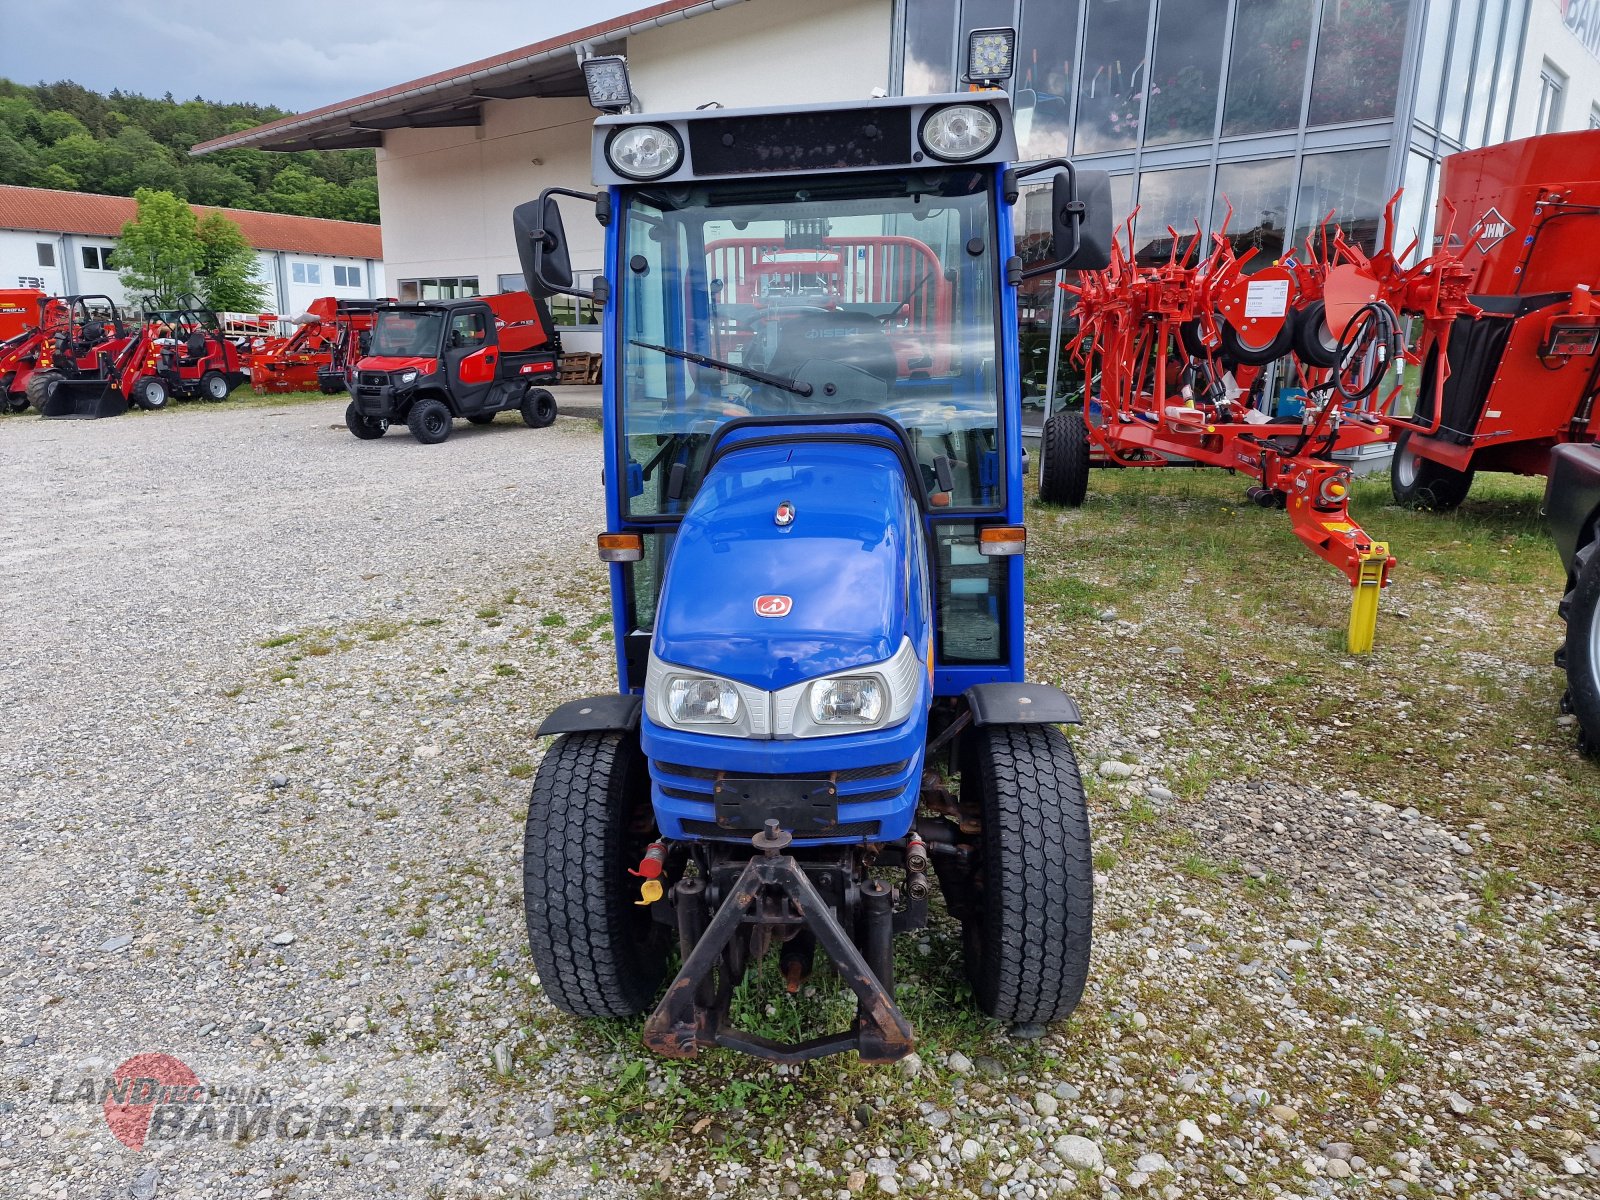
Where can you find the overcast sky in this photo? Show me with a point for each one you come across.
(297, 54)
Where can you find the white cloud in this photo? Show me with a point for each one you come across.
(297, 54)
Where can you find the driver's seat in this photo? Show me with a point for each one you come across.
(850, 339)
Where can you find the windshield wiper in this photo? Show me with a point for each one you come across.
(705, 360)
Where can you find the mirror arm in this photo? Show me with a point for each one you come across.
(1076, 209)
(543, 241)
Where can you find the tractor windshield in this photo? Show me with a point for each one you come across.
(805, 297)
(401, 334)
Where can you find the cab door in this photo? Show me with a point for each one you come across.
(471, 356)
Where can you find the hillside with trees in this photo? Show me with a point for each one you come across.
(62, 135)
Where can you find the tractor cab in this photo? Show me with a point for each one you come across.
(814, 501)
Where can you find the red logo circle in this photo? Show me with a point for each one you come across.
(773, 606)
(141, 1083)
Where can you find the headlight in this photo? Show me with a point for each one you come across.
(644, 151)
(700, 700)
(849, 700)
(958, 132)
(408, 376)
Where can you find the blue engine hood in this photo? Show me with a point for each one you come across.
(850, 563)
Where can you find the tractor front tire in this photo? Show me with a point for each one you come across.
(1580, 654)
(538, 408)
(214, 386)
(368, 429)
(1419, 482)
(429, 421)
(40, 385)
(597, 952)
(150, 393)
(1029, 926)
(1064, 459)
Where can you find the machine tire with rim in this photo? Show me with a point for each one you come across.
(150, 393)
(40, 385)
(368, 429)
(1315, 344)
(597, 952)
(538, 408)
(429, 421)
(1259, 354)
(214, 386)
(1029, 926)
(1064, 459)
(1580, 609)
(1419, 482)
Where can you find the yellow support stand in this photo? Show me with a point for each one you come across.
(1364, 600)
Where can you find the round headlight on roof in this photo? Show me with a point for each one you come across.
(644, 151)
(958, 132)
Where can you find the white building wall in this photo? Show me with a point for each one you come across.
(1567, 37)
(765, 52)
(73, 274)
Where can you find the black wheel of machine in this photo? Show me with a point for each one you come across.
(40, 385)
(1580, 654)
(366, 428)
(482, 419)
(1029, 927)
(429, 421)
(1064, 459)
(1240, 348)
(1315, 343)
(1419, 482)
(598, 953)
(214, 386)
(538, 408)
(150, 393)
(330, 385)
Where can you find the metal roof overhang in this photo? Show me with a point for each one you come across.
(455, 98)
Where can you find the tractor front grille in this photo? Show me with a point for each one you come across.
(374, 379)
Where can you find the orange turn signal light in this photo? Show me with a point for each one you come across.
(1002, 539)
(620, 547)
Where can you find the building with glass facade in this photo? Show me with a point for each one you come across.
(1261, 118)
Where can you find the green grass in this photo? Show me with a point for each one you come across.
(1454, 711)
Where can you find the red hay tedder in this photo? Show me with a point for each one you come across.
(1182, 352)
(317, 356)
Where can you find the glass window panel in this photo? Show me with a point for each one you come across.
(1188, 72)
(1358, 60)
(1036, 296)
(930, 48)
(1175, 199)
(1508, 35)
(46, 252)
(1111, 85)
(1267, 68)
(1411, 218)
(410, 289)
(1045, 64)
(1259, 194)
(1435, 48)
(1349, 184)
(982, 14)
(1121, 200)
(1483, 72)
(1454, 109)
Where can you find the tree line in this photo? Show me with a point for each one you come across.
(63, 135)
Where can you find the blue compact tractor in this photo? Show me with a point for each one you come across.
(814, 502)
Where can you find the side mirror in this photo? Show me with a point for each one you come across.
(542, 247)
(1093, 222)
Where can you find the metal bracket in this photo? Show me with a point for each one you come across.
(693, 1014)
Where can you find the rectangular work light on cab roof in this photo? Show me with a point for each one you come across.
(990, 53)
(608, 84)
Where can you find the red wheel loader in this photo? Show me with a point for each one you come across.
(70, 339)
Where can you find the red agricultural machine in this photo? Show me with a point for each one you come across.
(68, 338)
(19, 311)
(1523, 369)
(1271, 373)
(317, 357)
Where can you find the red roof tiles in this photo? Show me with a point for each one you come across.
(50, 211)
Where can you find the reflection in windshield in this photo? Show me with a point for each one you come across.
(406, 334)
(875, 295)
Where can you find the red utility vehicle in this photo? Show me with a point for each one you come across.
(432, 361)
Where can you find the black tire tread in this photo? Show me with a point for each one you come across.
(1436, 487)
(1580, 609)
(536, 413)
(575, 882)
(1036, 916)
(1064, 459)
(362, 426)
(40, 385)
(416, 417)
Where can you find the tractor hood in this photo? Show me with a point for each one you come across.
(797, 558)
(423, 366)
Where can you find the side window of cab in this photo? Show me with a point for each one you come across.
(468, 330)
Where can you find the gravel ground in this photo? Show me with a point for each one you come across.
(270, 694)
